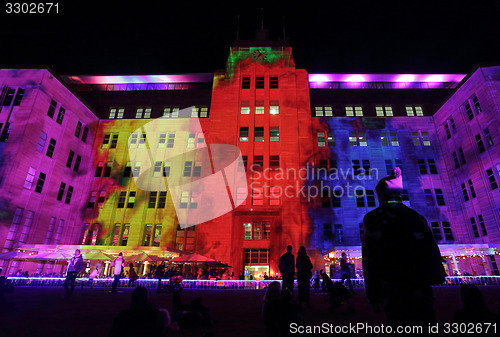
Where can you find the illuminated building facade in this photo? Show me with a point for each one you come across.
(313, 148)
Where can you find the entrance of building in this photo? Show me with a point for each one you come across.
(256, 272)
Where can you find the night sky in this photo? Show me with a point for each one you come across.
(163, 37)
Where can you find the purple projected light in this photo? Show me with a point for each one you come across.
(125, 79)
(398, 81)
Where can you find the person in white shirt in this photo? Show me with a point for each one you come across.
(118, 264)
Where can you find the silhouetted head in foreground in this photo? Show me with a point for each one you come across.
(139, 298)
(389, 188)
(289, 248)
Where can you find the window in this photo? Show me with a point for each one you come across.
(137, 169)
(184, 200)
(152, 199)
(120, 113)
(462, 155)
(405, 196)
(19, 97)
(62, 188)
(320, 111)
(102, 198)
(384, 110)
(171, 140)
(356, 139)
(9, 241)
(107, 136)
(50, 231)
(107, 169)
(394, 139)
(51, 148)
(258, 162)
(243, 133)
(68, 195)
(255, 256)
(112, 113)
(166, 168)
(469, 112)
(257, 196)
(157, 236)
(131, 199)
(491, 178)
(425, 138)
(384, 139)
(421, 166)
(139, 112)
(60, 115)
(100, 167)
(41, 141)
(171, 112)
(429, 197)
(257, 230)
(448, 234)
(418, 110)
(77, 163)
(274, 134)
(366, 167)
(330, 137)
(410, 111)
(162, 140)
(259, 82)
(245, 83)
(52, 109)
(114, 141)
(85, 134)
(356, 167)
(274, 108)
(69, 162)
(472, 190)
(147, 235)
(259, 134)
(360, 198)
(432, 166)
(147, 113)
(162, 199)
(482, 225)
(188, 165)
(197, 169)
(464, 191)
(39, 183)
(475, 101)
(121, 199)
(453, 126)
(128, 169)
(339, 233)
(259, 107)
(487, 135)
(436, 231)
(125, 234)
(245, 108)
(142, 141)
(273, 82)
(480, 144)
(78, 129)
(388, 166)
(274, 162)
(439, 197)
(416, 139)
(455, 160)
(447, 130)
(321, 139)
(27, 227)
(353, 110)
(475, 230)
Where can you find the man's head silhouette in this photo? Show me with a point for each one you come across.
(389, 188)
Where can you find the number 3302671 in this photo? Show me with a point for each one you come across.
(31, 8)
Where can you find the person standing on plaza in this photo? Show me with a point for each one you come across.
(401, 259)
(304, 274)
(132, 275)
(345, 270)
(160, 272)
(287, 268)
(74, 267)
(117, 272)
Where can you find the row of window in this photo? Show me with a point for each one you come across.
(151, 234)
(274, 108)
(260, 82)
(52, 110)
(165, 140)
(12, 96)
(30, 178)
(42, 140)
(50, 238)
(168, 112)
(357, 110)
(482, 226)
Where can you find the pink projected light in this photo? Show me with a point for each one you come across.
(125, 79)
(429, 78)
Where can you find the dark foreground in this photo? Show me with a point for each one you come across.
(43, 311)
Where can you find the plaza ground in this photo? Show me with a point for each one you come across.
(43, 311)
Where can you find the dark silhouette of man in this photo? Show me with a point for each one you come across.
(287, 268)
(345, 271)
(74, 267)
(401, 259)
